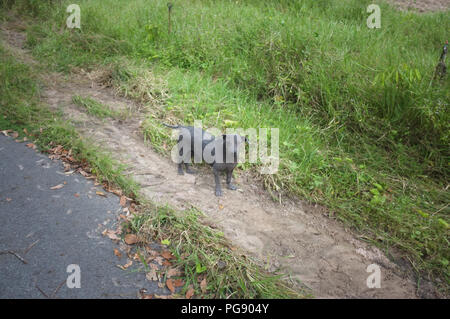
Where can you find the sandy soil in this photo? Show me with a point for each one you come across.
(294, 236)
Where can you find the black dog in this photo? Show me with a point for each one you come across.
(221, 153)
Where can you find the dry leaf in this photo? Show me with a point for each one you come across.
(153, 266)
(167, 254)
(173, 272)
(190, 292)
(100, 194)
(59, 186)
(76, 195)
(151, 275)
(178, 282)
(131, 239)
(169, 284)
(123, 201)
(166, 263)
(5, 132)
(124, 267)
(8, 199)
(111, 234)
(31, 145)
(117, 253)
(15, 135)
(220, 206)
(159, 260)
(203, 285)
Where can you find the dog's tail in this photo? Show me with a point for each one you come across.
(171, 126)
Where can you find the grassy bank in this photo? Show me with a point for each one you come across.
(362, 131)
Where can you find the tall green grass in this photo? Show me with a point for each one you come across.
(362, 129)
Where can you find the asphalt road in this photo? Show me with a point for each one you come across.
(59, 229)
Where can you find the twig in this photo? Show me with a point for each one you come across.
(57, 289)
(31, 246)
(15, 254)
(42, 292)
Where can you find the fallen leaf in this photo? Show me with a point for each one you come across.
(153, 266)
(220, 206)
(5, 132)
(159, 260)
(131, 239)
(167, 254)
(123, 201)
(124, 267)
(100, 193)
(25, 131)
(117, 253)
(178, 282)
(31, 145)
(169, 284)
(190, 292)
(173, 272)
(166, 263)
(111, 234)
(203, 285)
(15, 135)
(76, 195)
(8, 199)
(59, 186)
(151, 275)
(146, 296)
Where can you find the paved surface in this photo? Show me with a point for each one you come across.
(65, 229)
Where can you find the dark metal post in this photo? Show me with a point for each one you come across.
(169, 5)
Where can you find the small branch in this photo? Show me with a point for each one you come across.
(31, 246)
(13, 253)
(42, 292)
(57, 289)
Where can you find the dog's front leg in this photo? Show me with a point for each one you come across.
(217, 179)
(229, 185)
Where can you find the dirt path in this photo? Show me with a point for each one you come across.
(422, 5)
(294, 236)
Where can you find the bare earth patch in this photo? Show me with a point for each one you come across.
(294, 236)
(422, 5)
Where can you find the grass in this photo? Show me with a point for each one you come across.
(199, 250)
(362, 129)
(95, 108)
